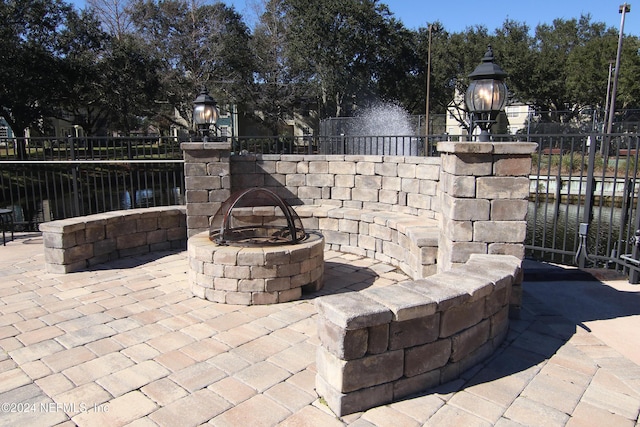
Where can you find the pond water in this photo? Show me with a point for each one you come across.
(553, 232)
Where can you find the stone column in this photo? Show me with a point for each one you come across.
(207, 181)
(484, 187)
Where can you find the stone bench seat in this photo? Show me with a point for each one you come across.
(76, 243)
(404, 240)
(380, 345)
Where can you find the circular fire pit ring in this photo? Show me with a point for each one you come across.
(256, 217)
(256, 252)
(249, 275)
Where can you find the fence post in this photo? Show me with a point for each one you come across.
(634, 272)
(581, 253)
(74, 177)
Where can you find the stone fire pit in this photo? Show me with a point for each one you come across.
(256, 252)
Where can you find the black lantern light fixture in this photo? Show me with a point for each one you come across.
(205, 113)
(486, 96)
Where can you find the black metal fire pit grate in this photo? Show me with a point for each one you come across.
(256, 217)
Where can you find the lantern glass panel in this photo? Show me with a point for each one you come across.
(204, 114)
(486, 95)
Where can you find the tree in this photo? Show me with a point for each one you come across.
(115, 15)
(628, 95)
(274, 97)
(396, 69)
(443, 79)
(513, 46)
(465, 50)
(547, 86)
(337, 44)
(196, 45)
(280, 88)
(560, 70)
(84, 48)
(129, 83)
(113, 78)
(588, 63)
(30, 54)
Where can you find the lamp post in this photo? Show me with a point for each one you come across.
(486, 95)
(623, 9)
(205, 113)
(426, 116)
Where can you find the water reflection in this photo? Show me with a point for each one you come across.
(554, 227)
(148, 197)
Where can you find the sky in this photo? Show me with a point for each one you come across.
(457, 15)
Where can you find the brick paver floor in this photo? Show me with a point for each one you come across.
(127, 344)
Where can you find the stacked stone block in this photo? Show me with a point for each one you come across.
(207, 182)
(381, 183)
(76, 243)
(380, 345)
(254, 275)
(383, 207)
(403, 240)
(483, 199)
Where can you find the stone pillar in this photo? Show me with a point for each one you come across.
(207, 181)
(484, 187)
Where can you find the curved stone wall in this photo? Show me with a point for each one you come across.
(76, 243)
(405, 241)
(380, 183)
(382, 344)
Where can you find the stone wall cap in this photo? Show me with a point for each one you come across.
(205, 146)
(477, 287)
(172, 210)
(216, 145)
(473, 147)
(372, 158)
(465, 147)
(68, 225)
(514, 147)
(322, 211)
(62, 226)
(292, 157)
(405, 303)
(504, 264)
(191, 145)
(429, 160)
(500, 277)
(353, 311)
(424, 235)
(438, 291)
(505, 260)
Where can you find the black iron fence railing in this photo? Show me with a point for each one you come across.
(407, 145)
(583, 207)
(275, 144)
(583, 204)
(43, 179)
(90, 148)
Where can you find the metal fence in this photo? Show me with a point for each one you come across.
(43, 179)
(583, 207)
(403, 145)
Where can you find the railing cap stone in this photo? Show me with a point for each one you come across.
(405, 303)
(353, 310)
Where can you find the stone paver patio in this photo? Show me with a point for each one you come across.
(127, 344)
